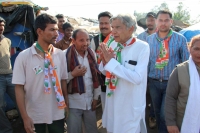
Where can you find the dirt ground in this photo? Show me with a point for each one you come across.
(18, 127)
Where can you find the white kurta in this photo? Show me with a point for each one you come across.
(125, 110)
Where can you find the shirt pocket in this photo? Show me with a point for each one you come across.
(129, 66)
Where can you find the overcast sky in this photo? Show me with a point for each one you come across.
(91, 8)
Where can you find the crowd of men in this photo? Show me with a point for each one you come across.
(61, 76)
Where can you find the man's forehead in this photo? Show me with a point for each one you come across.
(2, 23)
(163, 16)
(116, 22)
(104, 18)
(82, 34)
(150, 17)
(61, 19)
(54, 26)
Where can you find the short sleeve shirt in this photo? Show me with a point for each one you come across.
(41, 107)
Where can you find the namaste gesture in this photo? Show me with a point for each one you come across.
(106, 53)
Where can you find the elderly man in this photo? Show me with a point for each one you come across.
(125, 65)
(83, 84)
(182, 97)
(106, 37)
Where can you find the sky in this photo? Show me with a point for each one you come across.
(91, 8)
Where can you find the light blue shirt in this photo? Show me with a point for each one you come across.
(143, 36)
(178, 53)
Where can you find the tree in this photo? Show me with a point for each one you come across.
(163, 6)
(181, 13)
(139, 15)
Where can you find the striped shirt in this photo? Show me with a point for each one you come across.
(143, 36)
(178, 53)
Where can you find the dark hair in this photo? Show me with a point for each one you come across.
(164, 12)
(2, 20)
(76, 31)
(67, 25)
(59, 16)
(105, 14)
(42, 20)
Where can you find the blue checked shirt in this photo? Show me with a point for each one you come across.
(143, 36)
(178, 53)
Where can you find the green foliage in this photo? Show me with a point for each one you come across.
(139, 15)
(163, 6)
(181, 13)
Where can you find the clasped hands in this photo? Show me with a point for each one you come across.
(106, 54)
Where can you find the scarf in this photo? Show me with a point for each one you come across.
(163, 57)
(111, 80)
(191, 119)
(50, 73)
(108, 40)
(76, 85)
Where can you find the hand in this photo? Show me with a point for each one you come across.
(28, 125)
(173, 129)
(94, 104)
(67, 108)
(108, 54)
(79, 71)
(66, 112)
(101, 54)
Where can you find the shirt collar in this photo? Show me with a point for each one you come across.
(1, 37)
(157, 36)
(86, 53)
(129, 40)
(33, 49)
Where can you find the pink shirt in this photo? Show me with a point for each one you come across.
(41, 107)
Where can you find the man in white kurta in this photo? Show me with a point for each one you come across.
(125, 108)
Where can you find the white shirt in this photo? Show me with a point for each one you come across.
(124, 111)
(84, 100)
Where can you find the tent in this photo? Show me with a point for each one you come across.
(191, 31)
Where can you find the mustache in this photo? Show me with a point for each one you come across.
(149, 25)
(104, 28)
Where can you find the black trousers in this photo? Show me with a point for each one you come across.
(56, 127)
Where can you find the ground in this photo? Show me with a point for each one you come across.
(18, 128)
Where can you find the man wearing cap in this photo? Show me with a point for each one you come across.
(151, 28)
(167, 49)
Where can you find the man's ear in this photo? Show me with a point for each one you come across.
(73, 40)
(132, 29)
(39, 31)
(172, 21)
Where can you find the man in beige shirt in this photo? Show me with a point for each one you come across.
(40, 80)
(5, 78)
